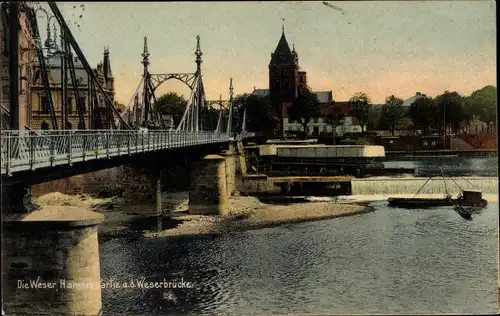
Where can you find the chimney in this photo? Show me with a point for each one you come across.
(418, 94)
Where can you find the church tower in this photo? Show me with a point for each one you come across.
(283, 75)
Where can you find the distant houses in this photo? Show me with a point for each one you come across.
(320, 126)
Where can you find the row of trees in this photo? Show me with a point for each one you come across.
(449, 111)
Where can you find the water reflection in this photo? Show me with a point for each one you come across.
(391, 260)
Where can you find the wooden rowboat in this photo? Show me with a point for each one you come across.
(467, 198)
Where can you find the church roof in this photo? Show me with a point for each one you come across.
(260, 92)
(282, 54)
(323, 96)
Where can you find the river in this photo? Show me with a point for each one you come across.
(388, 261)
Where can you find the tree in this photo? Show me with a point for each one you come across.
(305, 108)
(392, 112)
(336, 118)
(172, 104)
(260, 115)
(423, 113)
(453, 106)
(360, 108)
(482, 104)
(210, 118)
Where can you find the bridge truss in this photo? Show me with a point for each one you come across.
(102, 114)
(143, 108)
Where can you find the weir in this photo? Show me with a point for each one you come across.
(488, 185)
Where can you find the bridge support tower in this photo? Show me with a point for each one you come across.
(208, 192)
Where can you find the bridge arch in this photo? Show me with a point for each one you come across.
(187, 78)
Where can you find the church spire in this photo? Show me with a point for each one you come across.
(283, 27)
(282, 54)
(108, 74)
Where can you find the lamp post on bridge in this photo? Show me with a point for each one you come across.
(200, 91)
(146, 77)
(230, 120)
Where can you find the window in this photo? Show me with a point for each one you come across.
(69, 105)
(6, 92)
(82, 103)
(426, 143)
(391, 141)
(433, 143)
(44, 105)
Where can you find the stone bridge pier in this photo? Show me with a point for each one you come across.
(213, 182)
(210, 179)
(45, 251)
(146, 179)
(143, 184)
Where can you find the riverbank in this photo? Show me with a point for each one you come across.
(126, 220)
(248, 213)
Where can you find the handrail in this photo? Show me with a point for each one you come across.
(23, 150)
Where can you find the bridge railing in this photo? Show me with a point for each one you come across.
(29, 150)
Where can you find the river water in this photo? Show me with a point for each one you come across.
(389, 261)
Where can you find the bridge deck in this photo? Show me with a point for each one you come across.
(29, 150)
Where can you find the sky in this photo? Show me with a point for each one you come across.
(380, 48)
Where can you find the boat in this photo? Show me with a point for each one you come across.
(463, 212)
(472, 199)
(420, 202)
(468, 198)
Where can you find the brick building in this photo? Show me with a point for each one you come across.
(34, 111)
(26, 57)
(41, 111)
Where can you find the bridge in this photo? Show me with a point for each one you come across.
(30, 157)
(138, 138)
